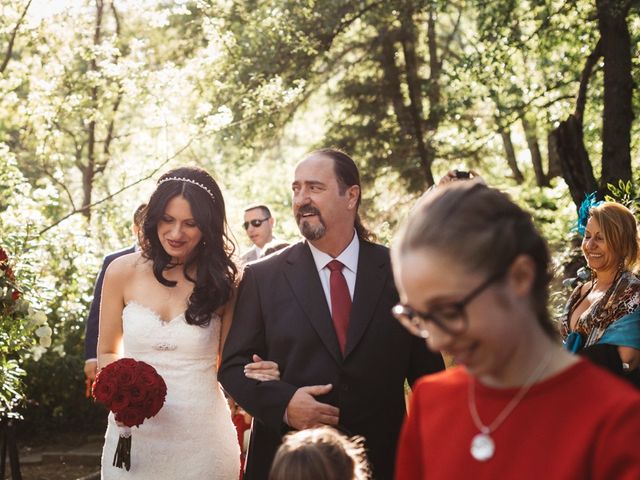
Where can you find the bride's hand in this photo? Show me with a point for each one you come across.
(262, 370)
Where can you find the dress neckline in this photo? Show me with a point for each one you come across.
(154, 312)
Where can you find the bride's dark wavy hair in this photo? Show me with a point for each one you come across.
(216, 272)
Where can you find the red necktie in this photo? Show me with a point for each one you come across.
(340, 301)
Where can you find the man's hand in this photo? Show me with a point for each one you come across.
(630, 358)
(304, 411)
(91, 369)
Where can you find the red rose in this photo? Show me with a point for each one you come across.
(104, 389)
(134, 390)
(128, 363)
(148, 379)
(155, 405)
(136, 394)
(119, 402)
(15, 295)
(3, 255)
(131, 416)
(125, 377)
(9, 273)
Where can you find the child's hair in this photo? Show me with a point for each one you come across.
(320, 454)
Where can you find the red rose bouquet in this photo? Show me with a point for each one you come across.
(133, 391)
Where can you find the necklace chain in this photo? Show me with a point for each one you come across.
(533, 378)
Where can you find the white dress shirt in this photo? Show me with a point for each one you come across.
(348, 257)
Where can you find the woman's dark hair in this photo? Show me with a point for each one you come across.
(347, 174)
(320, 454)
(482, 229)
(216, 272)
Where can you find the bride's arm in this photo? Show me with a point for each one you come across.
(111, 306)
(227, 317)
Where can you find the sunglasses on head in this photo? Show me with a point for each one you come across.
(256, 222)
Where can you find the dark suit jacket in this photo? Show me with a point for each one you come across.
(282, 315)
(91, 330)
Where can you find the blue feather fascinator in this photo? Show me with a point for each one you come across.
(583, 212)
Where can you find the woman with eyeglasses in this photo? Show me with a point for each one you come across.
(473, 274)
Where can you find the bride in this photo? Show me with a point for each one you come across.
(170, 305)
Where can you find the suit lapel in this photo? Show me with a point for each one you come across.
(302, 275)
(372, 274)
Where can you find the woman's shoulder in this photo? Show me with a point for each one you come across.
(630, 281)
(126, 265)
(445, 381)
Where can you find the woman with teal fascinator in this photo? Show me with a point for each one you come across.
(601, 320)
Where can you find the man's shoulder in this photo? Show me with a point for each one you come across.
(376, 247)
(249, 255)
(374, 251)
(279, 257)
(110, 257)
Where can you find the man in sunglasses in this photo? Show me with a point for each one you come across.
(321, 309)
(258, 223)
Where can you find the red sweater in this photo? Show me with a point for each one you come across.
(582, 423)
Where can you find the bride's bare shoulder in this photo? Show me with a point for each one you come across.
(128, 265)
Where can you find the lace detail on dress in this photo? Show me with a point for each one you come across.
(192, 437)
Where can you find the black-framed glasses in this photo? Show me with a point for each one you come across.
(256, 222)
(450, 318)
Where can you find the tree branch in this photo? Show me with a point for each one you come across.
(585, 76)
(446, 49)
(12, 40)
(119, 191)
(346, 23)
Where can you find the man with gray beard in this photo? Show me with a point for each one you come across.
(321, 309)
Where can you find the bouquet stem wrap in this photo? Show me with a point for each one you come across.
(122, 456)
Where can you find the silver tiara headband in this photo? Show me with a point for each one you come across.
(188, 180)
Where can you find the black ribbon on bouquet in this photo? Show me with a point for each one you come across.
(122, 457)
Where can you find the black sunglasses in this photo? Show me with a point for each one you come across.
(450, 318)
(255, 222)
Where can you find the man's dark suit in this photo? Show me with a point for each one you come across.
(282, 315)
(91, 330)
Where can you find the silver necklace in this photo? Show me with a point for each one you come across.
(482, 445)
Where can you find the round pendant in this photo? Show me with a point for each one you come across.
(482, 447)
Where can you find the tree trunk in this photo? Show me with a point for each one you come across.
(510, 154)
(566, 144)
(89, 170)
(393, 83)
(530, 134)
(426, 152)
(618, 88)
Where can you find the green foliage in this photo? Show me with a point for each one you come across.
(56, 392)
(624, 193)
(23, 329)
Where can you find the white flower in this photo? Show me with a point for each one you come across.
(39, 318)
(44, 331)
(59, 349)
(45, 342)
(37, 352)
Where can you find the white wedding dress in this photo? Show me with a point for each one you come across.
(192, 437)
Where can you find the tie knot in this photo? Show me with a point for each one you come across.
(335, 266)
